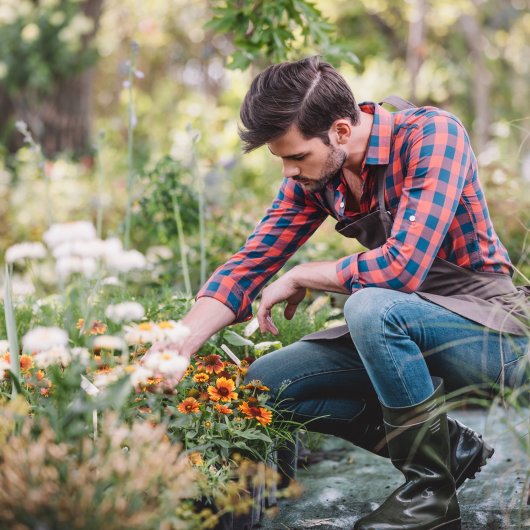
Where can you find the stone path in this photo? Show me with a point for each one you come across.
(350, 482)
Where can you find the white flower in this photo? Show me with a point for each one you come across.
(262, 347)
(21, 288)
(166, 362)
(173, 332)
(157, 253)
(61, 232)
(30, 32)
(68, 265)
(111, 280)
(106, 378)
(109, 342)
(4, 346)
(25, 250)
(41, 338)
(126, 261)
(125, 312)
(92, 248)
(139, 374)
(55, 355)
(143, 333)
(81, 355)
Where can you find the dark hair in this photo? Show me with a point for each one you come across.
(309, 93)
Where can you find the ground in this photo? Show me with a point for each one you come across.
(350, 482)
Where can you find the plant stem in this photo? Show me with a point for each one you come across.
(11, 328)
(200, 191)
(182, 245)
(99, 184)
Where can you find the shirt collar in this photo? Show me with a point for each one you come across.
(378, 151)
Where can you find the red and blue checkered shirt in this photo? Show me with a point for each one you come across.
(431, 188)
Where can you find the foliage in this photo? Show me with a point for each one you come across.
(42, 42)
(265, 32)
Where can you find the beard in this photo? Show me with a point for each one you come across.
(329, 171)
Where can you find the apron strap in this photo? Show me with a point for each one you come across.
(399, 103)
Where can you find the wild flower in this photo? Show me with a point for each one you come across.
(223, 390)
(55, 355)
(211, 364)
(26, 250)
(143, 333)
(68, 265)
(139, 375)
(260, 414)
(201, 378)
(4, 346)
(189, 406)
(4, 365)
(223, 409)
(166, 362)
(62, 232)
(173, 332)
(44, 338)
(125, 312)
(126, 261)
(108, 342)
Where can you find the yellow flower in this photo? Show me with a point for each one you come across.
(223, 390)
(196, 459)
(201, 378)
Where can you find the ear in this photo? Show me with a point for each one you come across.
(341, 130)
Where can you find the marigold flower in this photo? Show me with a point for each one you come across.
(223, 390)
(201, 378)
(260, 414)
(189, 406)
(211, 363)
(223, 409)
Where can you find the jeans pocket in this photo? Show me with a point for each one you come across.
(516, 373)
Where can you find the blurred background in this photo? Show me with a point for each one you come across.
(127, 103)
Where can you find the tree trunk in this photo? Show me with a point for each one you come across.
(416, 43)
(62, 120)
(481, 79)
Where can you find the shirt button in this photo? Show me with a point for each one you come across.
(342, 205)
(412, 218)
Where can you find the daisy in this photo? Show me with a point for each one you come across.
(173, 332)
(25, 250)
(223, 390)
(189, 406)
(108, 342)
(143, 333)
(55, 355)
(125, 312)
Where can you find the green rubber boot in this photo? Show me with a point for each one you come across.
(418, 443)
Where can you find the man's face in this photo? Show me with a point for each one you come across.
(311, 162)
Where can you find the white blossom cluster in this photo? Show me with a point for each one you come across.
(49, 346)
(125, 312)
(148, 333)
(25, 250)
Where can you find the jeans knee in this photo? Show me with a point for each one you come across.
(365, 308)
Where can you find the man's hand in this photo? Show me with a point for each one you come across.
(283, 289)
(291, 287)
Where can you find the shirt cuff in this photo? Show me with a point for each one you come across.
(227, 291)
(348, 273)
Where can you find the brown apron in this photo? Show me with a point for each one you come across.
(490, 299)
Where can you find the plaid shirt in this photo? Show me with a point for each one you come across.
(431, 188)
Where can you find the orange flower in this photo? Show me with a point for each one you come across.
(223, 409)
(26, 362)
(196, 459)
(223, 390)
(40, 375)
(203, 396)
(98, 328)
(211, 363)
(201, 378)
(260, 414)
(188, 406)
(80, 323)
(255, 384)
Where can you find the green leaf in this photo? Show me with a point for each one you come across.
(235, 339)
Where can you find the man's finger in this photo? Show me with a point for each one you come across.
(290, 310)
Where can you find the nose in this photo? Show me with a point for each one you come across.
(290, 170)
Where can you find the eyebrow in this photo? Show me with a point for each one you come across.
(296, 155)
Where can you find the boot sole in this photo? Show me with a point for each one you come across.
(451, 525)
(475, 466)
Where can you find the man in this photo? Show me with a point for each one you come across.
(431, 300)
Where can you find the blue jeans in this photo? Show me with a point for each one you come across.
(397, 341)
